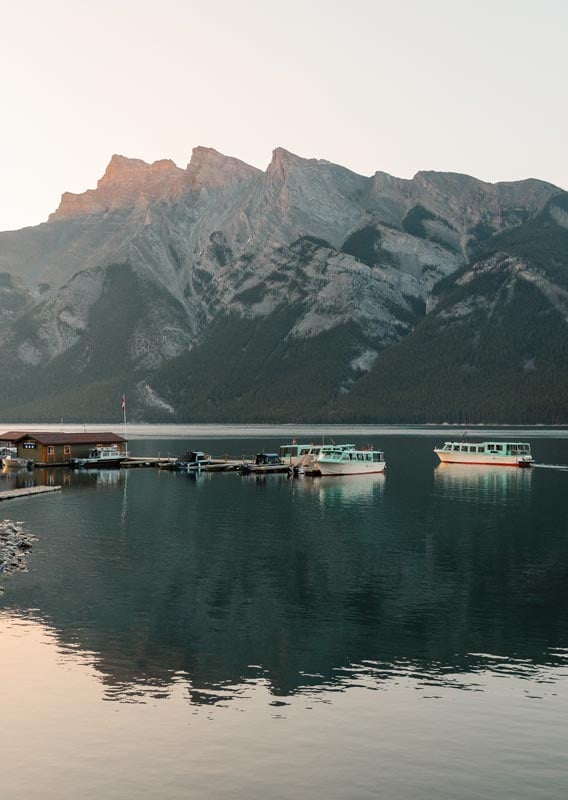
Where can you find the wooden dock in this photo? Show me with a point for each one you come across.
(14, 494)
(150, 461)
(222, 465)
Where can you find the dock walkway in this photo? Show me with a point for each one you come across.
(13, 494)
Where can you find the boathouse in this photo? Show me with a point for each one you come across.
(56, 449)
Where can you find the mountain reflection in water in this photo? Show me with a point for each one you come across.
(432, 574)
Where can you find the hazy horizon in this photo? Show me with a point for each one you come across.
(443, 87)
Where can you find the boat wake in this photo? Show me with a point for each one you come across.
(561, 467)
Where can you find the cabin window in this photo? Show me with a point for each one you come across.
(368, 457)
(359, 456)
(304, 451)
(50, 450)
(498, 447)
(456, 447)
(66, 449)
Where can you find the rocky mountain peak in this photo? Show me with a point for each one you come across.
(282, 160)
(209, 168)
(125, 182)
(121, 168)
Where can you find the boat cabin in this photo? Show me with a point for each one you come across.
(267, 459)
(192, 460)
(374, 456)
(293, 451)
(489, 448)
(193, 457)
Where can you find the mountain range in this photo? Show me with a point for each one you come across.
(305, 292)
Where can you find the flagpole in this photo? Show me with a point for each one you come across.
(123, 403)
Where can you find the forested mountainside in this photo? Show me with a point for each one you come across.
(302, 293)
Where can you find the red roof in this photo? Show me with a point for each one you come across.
(46, 437)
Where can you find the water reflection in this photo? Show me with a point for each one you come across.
(482, 483)
(310, 585)
(343, 490)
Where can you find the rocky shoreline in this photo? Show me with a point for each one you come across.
(15, 544)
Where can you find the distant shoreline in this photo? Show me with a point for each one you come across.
(137, 430)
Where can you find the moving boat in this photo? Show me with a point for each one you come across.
(506, 454)
(350, 461)
(106, 456)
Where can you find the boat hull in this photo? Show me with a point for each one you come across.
(15, 463)
(351, 467)
(448, 457)
(94, 463)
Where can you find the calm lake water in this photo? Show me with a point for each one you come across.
(396, 636)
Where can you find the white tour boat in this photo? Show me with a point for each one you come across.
(506, 454)
(350, 461)
(302, 457)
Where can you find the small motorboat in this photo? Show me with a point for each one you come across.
(192, 461)
(103, 456)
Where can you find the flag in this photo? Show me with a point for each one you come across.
(123, 402)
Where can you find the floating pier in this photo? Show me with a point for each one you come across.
(150, 461)
(28, 491)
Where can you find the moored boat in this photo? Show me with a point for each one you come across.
(264, 463)
(192, 461)
(306, 454)
(351, 461)
(506, 454)
(109, 456)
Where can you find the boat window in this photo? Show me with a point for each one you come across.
(304, 451)
(498, 447)
(456, 447)
(359, 456)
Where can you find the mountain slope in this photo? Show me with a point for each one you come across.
(221, 292)
(495, 346)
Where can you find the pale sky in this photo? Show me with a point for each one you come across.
(475, 87)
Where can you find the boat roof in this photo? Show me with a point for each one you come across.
(488, 441)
